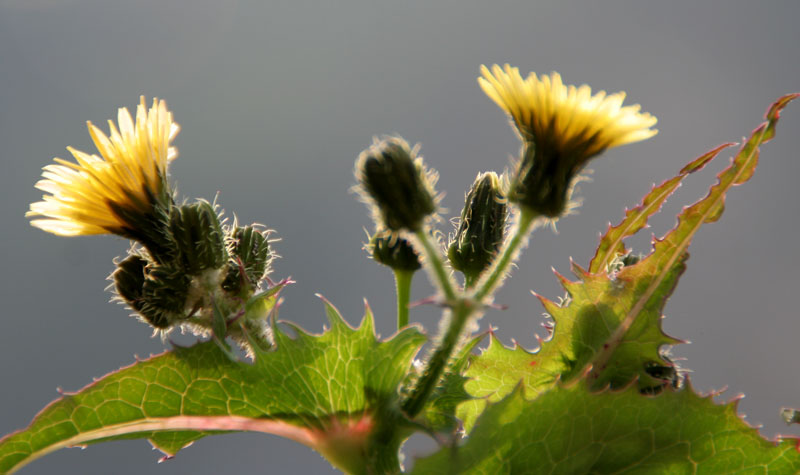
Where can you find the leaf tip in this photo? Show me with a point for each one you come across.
(334, 316)
(701, 161)
(564, 281)
(576, 269)
(774, 111)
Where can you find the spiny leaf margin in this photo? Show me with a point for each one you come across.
(611, 244)
(599, 327)
(302, 388)
(571, 429)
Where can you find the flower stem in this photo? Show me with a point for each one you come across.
(469, 281)
(526, 220)
(461, 307)
(402, 279)
(438, 361)
(434, 260)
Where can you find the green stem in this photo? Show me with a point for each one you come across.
(526, 220)
(438, 361)
(462, 307)
(434, 259)
(469, 281)
(461, 310)
(402, 279)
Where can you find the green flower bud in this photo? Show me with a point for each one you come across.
(394, 179)
(199, 237)
(252, 254)
(393, 251)
(129, 280)
(482, 227)
(164, 295)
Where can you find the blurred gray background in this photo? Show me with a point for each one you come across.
(277, 98)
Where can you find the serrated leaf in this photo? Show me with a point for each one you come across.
(657, 274)
(611, 324)
(304, 388)
(612, 245)
(568, 430)
(597, 306)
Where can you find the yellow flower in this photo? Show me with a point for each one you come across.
(124, 191)
(562, 127)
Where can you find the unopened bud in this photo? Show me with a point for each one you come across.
(393, 251)
(251, 255)
(395, 180)
(129, 280)
(199, 238)
(482, 227)
(164, 295)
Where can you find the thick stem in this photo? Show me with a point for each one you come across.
(402, 279)
(438, 361)
(434, 260)
(499, 270)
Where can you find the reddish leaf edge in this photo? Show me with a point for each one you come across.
(636, 218)
(741, 173)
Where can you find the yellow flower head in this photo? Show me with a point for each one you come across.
(122, 191)
(562, 127)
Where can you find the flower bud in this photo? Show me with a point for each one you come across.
(252, 254)
(198, 236)
(393, 251)
(396, 182)
(129, 280)
(482, 227)
(164, 295)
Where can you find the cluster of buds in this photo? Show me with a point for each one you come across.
(561, 128)
(187, 267)
(393, 180)
(210, 263)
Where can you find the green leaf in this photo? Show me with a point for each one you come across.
(610, 326)
(316, 389)
(611, 244)
(654, 278)
(569, 429)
